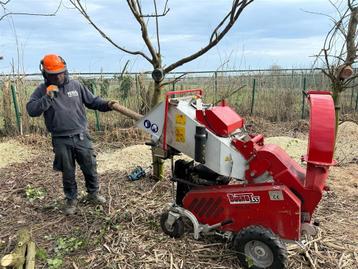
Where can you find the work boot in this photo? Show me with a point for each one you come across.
(95, 198)
(70, 206)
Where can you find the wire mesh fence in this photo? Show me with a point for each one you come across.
(276, 95)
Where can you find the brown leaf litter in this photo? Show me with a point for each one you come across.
(125, 233)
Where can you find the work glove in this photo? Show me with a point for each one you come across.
(52, 91)
(111, 103)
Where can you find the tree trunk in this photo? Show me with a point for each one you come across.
(158, 163)
(16, 259)
(156, 94)
(30, 255)
(337, 89)
(158, 166)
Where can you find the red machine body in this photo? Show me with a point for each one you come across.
(293, 194)
(272, 206)
(222, 120)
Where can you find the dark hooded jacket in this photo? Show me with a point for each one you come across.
(65, 114)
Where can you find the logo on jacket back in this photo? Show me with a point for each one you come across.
(72, 94)
(243, 198)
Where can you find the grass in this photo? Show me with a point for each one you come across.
(278, 95)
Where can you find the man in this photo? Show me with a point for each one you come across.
(62, 102)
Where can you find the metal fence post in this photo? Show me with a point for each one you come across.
(253, 96)
(137, 91)
(352, 95)
(16, 107)
(356, 108)
(292, 83)
(98, 126)
(303, 98)
(136, 83)
(215, 86)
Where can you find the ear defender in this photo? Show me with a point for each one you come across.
(41, 67)
(63, 61)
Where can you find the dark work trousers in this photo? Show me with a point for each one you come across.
(68, 150)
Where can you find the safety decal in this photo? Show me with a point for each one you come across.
(147, 124)
(243, 198)
(276, 195)
(154, 128)
(180, 119)
(180, 134)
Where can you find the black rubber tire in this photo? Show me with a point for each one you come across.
(259, 235)
(177, 229)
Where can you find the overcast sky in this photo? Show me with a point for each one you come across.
(269, 32)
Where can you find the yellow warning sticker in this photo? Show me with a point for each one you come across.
(180, 134)
(180, 119)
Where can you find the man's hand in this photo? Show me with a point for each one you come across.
(52, 90)
(111, 103)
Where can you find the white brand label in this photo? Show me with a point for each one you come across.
(243, 198)
(72, 94)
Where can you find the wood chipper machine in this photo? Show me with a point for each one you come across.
(233, 182)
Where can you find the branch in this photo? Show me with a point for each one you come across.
(28, 13)
(215, 32)
(347, 81)
(336, 27)
(330, 68)
(237, 8)
(350, 5)
(351, 36)
(156, 15)
(157, 25)
(134, 6)
(175, 80)
(328, 74)
(228, 95)
(320, 14)
(328, 42)
(77, 4)
(345, 28)
(336, 8)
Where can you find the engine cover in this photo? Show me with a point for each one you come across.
(274, 207)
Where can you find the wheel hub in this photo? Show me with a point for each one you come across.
(260, 254)
(259, 251)
(169, 227)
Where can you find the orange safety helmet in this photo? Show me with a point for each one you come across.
(53, 64)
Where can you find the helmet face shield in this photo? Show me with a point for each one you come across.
(53, 64)
(56, 79)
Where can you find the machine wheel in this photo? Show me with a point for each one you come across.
(176, 230)
(260, 248)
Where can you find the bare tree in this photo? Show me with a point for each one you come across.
(154, 57)
(339, 52)
(16, 78)
(6, 12)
